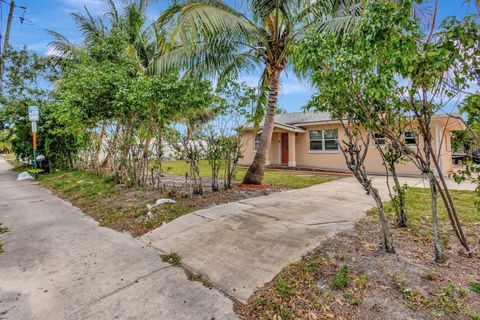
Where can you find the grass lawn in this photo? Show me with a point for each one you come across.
(419, 210)
(274, 177)
(348, 278)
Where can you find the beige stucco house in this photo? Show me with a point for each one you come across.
(312, 140)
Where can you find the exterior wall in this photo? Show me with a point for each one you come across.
(248, 148)
(444, 140)
(335, 161)
(447, 152)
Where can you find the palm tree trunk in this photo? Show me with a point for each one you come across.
(257, 168)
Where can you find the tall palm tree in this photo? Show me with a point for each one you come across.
(209, 37)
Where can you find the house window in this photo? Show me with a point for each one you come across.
(410, 138)
(379, 139)
(316, 141)
(324, 140)
(257, 142)
(330, 138)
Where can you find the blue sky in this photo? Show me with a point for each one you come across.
(54, 14)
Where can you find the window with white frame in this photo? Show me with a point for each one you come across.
(410, 138)
(323, 140)
(379, 139)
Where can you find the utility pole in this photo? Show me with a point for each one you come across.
(3, 54)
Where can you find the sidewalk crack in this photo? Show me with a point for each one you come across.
(120, 289)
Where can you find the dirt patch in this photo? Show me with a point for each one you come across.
(261, 186)
(348, 277)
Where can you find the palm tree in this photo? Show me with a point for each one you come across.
(209, 37)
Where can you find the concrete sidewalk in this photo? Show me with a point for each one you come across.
(239, 246)
(59, 264)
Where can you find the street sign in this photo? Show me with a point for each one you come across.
(34, 117)
(33, 114)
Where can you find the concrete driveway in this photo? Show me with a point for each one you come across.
(59, 264)
(241, 245)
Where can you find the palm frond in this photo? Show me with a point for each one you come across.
(61, 46)
(205, 38)
(112, 12)
(287, 8)
(90, 27)
(132, 52)
(337, 17)
(214, 56)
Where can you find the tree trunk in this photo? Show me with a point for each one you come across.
(257, 168)
(99, 148)
(112, 144)
(436, 229)
(402, 220)
(387, 235)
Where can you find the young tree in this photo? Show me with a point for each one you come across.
(388, 70)
(186, 137)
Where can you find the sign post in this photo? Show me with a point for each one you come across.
(34, 117)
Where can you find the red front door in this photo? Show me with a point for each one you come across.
(284, 141)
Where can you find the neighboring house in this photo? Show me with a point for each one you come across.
(312, 140)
